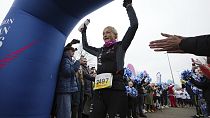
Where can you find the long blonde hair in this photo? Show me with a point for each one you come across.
(79, 75)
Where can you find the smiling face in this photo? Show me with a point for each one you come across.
(109, 34)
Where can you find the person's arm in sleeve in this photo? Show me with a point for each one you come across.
(128, 37)
(69, 69)
(92, 50)
(89, 77)
(76, 65)
(199, 45)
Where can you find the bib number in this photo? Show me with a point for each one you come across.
(103, 80)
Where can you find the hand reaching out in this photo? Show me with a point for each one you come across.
(169, 44)
(197, 62)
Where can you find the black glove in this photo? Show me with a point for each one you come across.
(75, 41)
(126, 2)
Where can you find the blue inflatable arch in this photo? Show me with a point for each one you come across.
(32, 37)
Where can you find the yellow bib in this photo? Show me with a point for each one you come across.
(103, 80)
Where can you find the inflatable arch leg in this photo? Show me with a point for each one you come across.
(32, 37)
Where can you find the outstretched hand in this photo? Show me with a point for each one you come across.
(126, 2)
(169, 44)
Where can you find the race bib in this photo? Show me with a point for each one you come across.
(103, 80)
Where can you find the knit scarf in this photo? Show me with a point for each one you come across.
(109, 43)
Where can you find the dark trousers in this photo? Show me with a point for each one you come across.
(132, 107)
(81, 104)
(75, 104)
(208, 106)
(165, 98)
(141, 103)
(195, 101)
(111, 103)
(87, 106)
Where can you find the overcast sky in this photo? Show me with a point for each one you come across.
(181, 17)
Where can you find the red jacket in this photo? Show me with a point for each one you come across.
(206, 70)
(170, 90)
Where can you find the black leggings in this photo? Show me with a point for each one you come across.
(113, 103)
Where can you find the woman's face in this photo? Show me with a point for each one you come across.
(108, 35)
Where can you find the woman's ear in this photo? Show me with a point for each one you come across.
(116, 37)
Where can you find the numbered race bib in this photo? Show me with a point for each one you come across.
(103, 80)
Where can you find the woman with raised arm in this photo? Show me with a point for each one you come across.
(110, 98)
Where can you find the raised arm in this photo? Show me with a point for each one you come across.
(92, 50)
(129, 35)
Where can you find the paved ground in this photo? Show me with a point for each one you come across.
(173, 113)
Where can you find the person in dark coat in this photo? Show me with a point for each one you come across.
(109, 98)
(88, 87)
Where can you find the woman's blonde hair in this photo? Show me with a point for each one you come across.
(112, 30)
(79, 75)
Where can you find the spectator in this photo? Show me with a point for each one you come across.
(67, 85)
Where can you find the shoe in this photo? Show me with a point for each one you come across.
(195, 116)
(201, 116)
(144, 111)
(142, 115)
